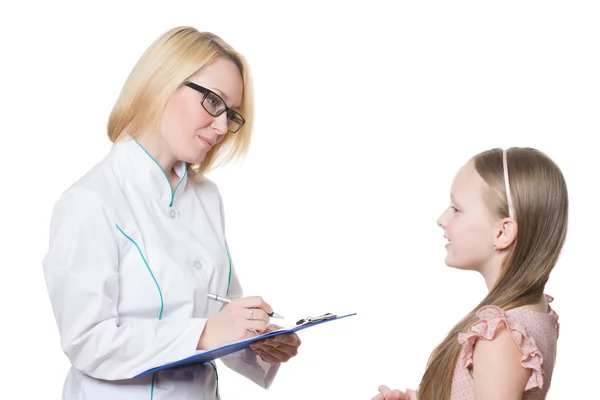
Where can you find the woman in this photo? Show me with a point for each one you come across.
(138, 242)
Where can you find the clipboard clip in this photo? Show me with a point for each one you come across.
(310, 320)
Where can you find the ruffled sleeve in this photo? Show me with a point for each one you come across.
(550, 299)
(492, 318)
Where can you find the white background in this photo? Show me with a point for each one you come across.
(364, 113)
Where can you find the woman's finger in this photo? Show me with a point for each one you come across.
(259, 314)
(276, 353)
(256, 325)
(253, 302)
(288, 351)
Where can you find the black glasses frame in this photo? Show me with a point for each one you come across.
(230, 113)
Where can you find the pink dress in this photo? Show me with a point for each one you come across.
(535, 333)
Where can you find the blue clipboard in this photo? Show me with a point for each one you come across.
(219, 352)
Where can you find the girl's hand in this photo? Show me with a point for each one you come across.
(385, 393)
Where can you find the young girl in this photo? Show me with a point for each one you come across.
(507, 220)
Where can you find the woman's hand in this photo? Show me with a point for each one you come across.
(385, 393)
(241, 319)
(277, 349)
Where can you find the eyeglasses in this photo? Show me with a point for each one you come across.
(215, 106)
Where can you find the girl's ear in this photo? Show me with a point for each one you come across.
(506, 234)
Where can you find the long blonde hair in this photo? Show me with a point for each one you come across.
(540, 200)
(170, 60)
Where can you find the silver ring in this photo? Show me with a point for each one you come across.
(251, 313)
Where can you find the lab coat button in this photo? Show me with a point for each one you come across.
(172, 214)
(197, 265)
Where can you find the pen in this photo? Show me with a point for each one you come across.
(227, 301)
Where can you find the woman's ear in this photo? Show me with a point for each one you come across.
(506, 234)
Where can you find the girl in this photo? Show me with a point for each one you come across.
(507, 220)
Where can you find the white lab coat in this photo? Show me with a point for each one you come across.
(128, 268)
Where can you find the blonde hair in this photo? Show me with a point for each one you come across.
(540, 200)
(172, 59)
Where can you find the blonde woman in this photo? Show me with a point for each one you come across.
(507, 220)
(138, 242)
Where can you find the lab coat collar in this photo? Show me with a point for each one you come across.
(145, 171)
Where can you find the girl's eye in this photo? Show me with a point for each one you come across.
(454, 209)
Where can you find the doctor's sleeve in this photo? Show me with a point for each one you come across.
(246, 362)
(82, 276)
